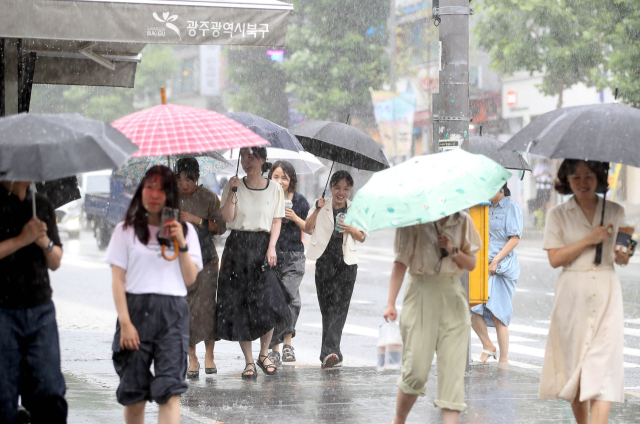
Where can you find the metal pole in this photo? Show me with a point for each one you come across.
(450, 106)
(10, 83)
(392, 70)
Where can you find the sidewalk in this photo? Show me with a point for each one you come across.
(307, 394)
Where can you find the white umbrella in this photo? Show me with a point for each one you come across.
(303, 162)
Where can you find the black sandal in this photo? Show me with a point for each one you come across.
(264, 367)
(249, 367)
(287, 354)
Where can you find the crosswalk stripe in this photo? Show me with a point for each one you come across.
(476, 357)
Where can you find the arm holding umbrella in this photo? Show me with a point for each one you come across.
(565, 255)
(310, 223)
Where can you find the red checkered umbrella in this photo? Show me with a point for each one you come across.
(167, 130)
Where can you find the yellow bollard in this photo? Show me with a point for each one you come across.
(479, 277)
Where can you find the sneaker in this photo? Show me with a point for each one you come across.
(331, 361)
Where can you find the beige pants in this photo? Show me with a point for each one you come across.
(435, 318)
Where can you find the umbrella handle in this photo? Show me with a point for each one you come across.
(235, 189)
(175, 255)
(443, 251)
(328, 178)
(598, 259)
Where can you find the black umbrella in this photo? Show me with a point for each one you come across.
(277, 136)
(489, 147)
(341, 143)
(601, 132)
(60, 192)
(50, 147)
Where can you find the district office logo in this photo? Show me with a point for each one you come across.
(166, 19)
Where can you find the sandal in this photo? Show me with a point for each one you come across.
(249, 367)
(264, 367)
(287, 354)
(274, 355)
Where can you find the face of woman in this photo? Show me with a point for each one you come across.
(187, 185)
(498, 197)
(251, 164)
(153, 195)
(340, 193)
(583, 182)
(281, 178)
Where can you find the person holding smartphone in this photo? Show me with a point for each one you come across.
(250, 300)
(333, 247)
(149, 293)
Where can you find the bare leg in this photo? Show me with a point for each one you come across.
(276, 348)
(248, 355)
(287, 339)
(450, 417)
(169, 412)
(404, 403)
(480, 327)
(503, 339)
(265, 341)
(208, 356)
(193, 359)
(580, 409)
(134, 414)
(600, 411)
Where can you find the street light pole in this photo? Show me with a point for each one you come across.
(392, 70)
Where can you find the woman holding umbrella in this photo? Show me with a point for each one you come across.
(250, 300)
(505, 229)
(435, 317)
(583, 361)
(292, 269)
(201, 207)
(333, 247)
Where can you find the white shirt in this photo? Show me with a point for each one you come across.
(147, 271)
(256, 208)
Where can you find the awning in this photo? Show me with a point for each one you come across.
(98, 42)
(233, 22)
(422, 118)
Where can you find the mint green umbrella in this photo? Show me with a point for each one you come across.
(425, 189)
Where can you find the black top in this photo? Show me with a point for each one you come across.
(290, 239)
(24, 277)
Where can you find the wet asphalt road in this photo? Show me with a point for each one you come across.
(357, 393)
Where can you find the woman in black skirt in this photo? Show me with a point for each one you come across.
(250, 300)
(333, 246)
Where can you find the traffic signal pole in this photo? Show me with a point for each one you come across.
(450, 106)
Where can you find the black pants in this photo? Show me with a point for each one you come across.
(30, 365)
(334, 285)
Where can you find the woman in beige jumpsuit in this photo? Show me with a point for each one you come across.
(583, 359)
(435, 310)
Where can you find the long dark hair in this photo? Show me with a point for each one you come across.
(505, 190)
(258, 153)
(137, 216)
(288, 169)
(341, 175)
(568, 167)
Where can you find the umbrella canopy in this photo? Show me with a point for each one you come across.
(60, 192)
(136, 168)
(489, 147)
(425, 189)
(601, 132)
(49, 147)
(341, 143)
(303, 162)
(167, 130)
(277, 136)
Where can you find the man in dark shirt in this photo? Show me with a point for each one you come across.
(30, 358)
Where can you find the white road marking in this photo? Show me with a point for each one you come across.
(544, 321)
(476, 357)
(632, 321)
(186, 412)
(353, 329)
(518, 328)
(379, 258)
(494, 338)
(362, 302)
(80, 263)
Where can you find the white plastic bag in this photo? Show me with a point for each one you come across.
(389, 347)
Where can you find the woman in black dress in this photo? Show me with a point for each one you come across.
(250, 300)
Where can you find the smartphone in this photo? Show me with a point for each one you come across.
(168, 215)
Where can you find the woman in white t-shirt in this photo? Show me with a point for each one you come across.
(149, 292)
(250, 299)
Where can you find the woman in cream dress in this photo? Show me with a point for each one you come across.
(583, 360)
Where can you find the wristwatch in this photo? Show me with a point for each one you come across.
(49, 247)
(183, 249)
(455, 252)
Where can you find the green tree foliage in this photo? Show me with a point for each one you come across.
(556, 37)
(108, 103)
(619, 23)
(334, 53)
(258, 84)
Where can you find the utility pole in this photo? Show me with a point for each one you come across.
(392, 70)
(450, 107)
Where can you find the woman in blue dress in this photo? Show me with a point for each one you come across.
(505, 230)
